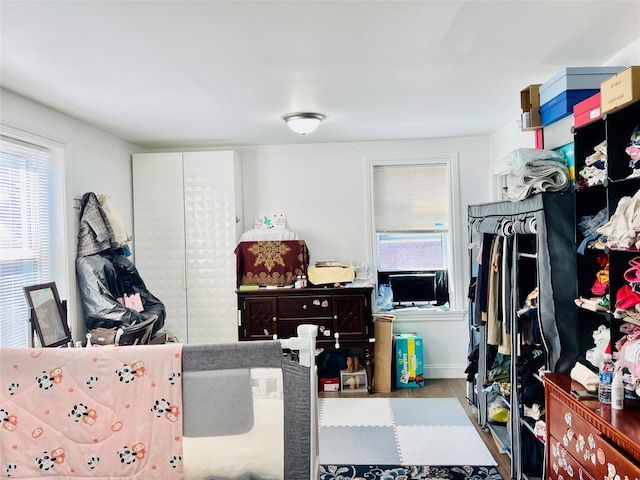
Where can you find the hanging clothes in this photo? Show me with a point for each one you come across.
(494, 323)
(120, 234)
(482, 286)
(95, 234)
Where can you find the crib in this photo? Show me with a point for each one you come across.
(240, 411)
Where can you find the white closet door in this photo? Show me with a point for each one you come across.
(159, 233)
(211, 209)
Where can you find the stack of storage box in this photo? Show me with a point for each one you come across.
(569, 87)
(616, 92)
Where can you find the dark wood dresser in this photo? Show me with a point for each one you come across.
(343, 316)
(587, 440)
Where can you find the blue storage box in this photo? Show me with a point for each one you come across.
(576, 78)
(562, 105)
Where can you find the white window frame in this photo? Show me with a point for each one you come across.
(59, 265)
(454, 254)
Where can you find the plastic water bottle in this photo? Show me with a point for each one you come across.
(617, 392)
(605, 379)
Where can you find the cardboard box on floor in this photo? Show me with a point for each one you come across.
(383, 353)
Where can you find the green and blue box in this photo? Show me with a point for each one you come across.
(408, 360)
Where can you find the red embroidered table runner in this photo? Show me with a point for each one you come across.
(272, 263)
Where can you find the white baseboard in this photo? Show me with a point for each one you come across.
(445, 371)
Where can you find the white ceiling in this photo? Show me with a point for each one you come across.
(167, 74)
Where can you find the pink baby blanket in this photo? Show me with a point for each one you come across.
(81, 413)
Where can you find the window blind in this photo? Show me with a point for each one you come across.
(24, 234)
(411, 198)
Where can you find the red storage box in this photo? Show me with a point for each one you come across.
(329, 384)
(540, 138)
(587, 111)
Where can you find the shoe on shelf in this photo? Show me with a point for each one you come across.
(349, 364)
(356, 364)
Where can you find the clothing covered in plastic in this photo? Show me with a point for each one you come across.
(107, 276)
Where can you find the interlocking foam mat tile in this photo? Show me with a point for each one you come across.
(395, 431)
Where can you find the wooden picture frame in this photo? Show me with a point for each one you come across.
(47, 315)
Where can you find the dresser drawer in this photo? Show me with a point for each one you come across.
(311, 306)
(562, 465)
(587, 445)
(288, 328)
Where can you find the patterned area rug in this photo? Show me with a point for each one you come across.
(390, 472)
(398, 438)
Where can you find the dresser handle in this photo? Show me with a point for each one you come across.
(335, 317)
(274, 319)
(304, 307)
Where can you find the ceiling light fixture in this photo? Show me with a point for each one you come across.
(303, 122)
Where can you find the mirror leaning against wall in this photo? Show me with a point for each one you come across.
(48, 317)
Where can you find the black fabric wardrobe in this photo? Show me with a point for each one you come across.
(537, 241)
(548, 216)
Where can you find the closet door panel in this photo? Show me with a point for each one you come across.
(210, 221)
(159, 234)
(237, 176)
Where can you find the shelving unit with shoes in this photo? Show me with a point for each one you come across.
(352, 382)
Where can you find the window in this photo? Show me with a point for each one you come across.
(25, 240)
(412, 205)
(411, 251)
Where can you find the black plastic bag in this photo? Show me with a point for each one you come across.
(105, 277)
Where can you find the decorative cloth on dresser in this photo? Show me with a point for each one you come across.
(271, 263)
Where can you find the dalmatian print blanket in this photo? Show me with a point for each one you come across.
(80, 413)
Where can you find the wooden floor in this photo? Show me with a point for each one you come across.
(442, 388)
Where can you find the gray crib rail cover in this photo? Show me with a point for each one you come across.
(235, 360)
(550, 217)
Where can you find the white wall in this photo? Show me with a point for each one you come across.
(445, 340)
(630, 55)
(93, 161)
